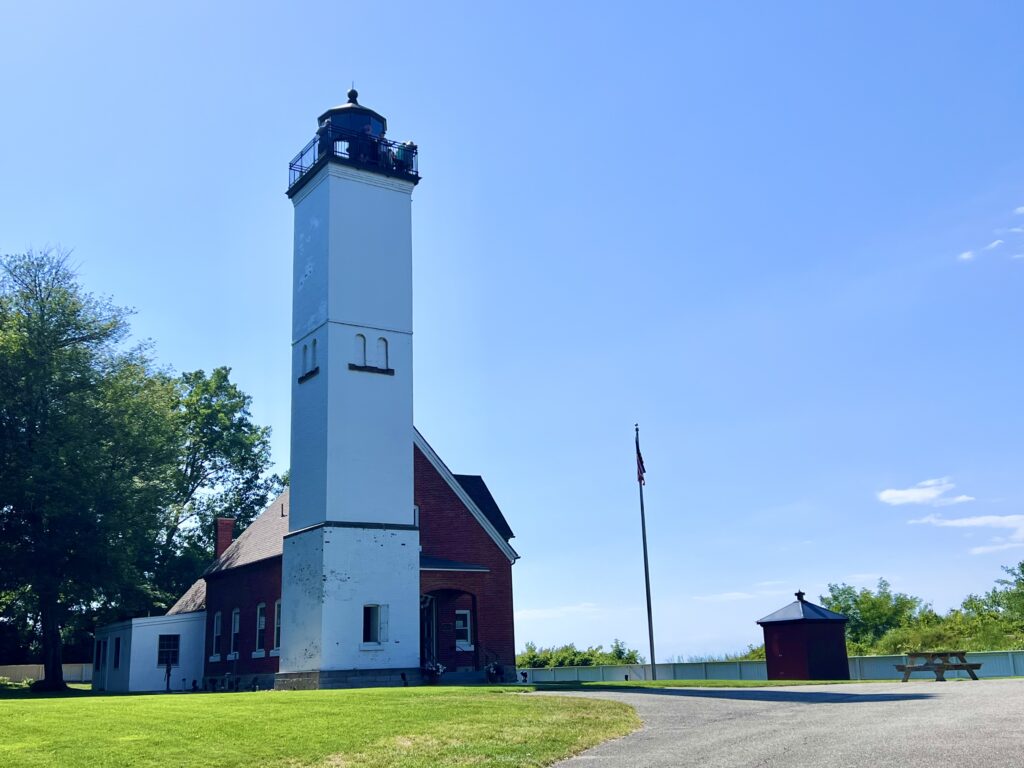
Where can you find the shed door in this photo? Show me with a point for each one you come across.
(787, 654)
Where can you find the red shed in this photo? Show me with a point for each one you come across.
(804, 641)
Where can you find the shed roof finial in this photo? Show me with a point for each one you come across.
(353, 94)
(800, 595)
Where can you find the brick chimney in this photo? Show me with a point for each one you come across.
(225, 535)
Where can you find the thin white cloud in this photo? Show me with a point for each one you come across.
(1016, 230)
(1012, 523)
(931, 492)
(993, 245)
(996, 547)
(1017, 256)
(948, 501)
(1019, 210)
(966, 256)
(724, 597)
(559, 612)
(776, 583)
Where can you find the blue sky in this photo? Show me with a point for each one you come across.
(782, 237)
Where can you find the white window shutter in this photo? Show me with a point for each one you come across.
(383, 624)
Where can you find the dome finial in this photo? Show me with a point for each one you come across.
(353, 94)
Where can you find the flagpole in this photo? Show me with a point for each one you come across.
(643, 532)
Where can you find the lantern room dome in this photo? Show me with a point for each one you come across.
(353, 116)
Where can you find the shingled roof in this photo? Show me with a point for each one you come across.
(263, 539)
(478, 491)
(801, 610)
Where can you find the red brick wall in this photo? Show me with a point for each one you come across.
(243, 588)
(449, 531)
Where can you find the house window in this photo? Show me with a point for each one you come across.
(382, 352)
(313, 345)
(235, 621)
(216, 634)
(375, 624)
(117, 653)
(167, 650)
(463, 631)
(261, 626)
(277, 625)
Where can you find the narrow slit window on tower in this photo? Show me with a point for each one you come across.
(310, 367)
(382, 353)
(360, 350)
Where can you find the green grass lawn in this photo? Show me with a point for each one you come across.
(401, 727)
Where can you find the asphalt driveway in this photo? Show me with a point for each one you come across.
(960, 724)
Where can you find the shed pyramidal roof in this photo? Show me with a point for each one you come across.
(801, 610)
(264, 539)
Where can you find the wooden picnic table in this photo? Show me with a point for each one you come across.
(939, 663)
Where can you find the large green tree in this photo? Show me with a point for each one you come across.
(872, 614)
(86, 447)
(221, 470)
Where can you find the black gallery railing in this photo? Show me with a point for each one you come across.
(360, 149)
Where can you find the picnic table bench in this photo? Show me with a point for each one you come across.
(939, 663)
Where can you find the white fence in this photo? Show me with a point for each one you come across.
(993, 664)
(73, 673)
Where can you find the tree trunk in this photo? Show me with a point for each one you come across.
(53, 669)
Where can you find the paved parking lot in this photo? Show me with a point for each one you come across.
(960, 724)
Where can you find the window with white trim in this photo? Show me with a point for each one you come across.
(261, 626)
(371, 623)
(382, 353)
(277, 625)
(375, 624)
(167, 650)
(464, 630)
(215, 648)
(235, 621)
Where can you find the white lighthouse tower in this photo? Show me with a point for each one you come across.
(350, 580)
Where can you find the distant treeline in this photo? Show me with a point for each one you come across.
(571, 656)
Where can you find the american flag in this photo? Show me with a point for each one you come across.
(640, 470)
